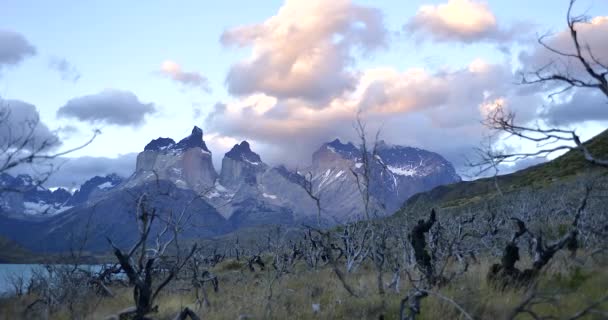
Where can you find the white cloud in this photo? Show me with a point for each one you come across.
(305, 50)
(174, 71)
(465, 21)
(440, 111)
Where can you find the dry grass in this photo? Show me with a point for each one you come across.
(243, 293)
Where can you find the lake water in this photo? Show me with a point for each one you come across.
(9, 271)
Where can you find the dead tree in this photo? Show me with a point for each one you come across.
(506, 274)
(370, 160)
(256, 259)
(140, 261)
(20, 145)
(593, 75)
(419, 245)
(355, 244)
(535, 298)
(324, 241)
(434, 248)
(185, 314)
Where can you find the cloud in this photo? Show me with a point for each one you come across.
(67, 71)
(196, 110)
(14, 48)
(20, 124)
(305, 51)
(581, 106)
(173, 71)
(592, 33)
(464, 21)
(110, 106)
(440, 111)
(73, 172)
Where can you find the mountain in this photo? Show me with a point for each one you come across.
(396, 174)
(11, 252)
(92, 187)
(23, 197)
(240, 164)
(179, 177)
(186, 163)
(562, 173)
(406, 171)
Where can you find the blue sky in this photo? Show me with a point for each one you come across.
(122, 45)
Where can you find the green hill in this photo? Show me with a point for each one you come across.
(563, 169)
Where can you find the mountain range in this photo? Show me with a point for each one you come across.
(179, 177)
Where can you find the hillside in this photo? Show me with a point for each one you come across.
(11, 252)
(564, 169)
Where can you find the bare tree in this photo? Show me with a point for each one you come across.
(371, 160)
(140, 262)
(355, 240)
(506, 274)
(593, 75)
(21, 145)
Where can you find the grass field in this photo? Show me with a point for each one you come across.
(571, 285)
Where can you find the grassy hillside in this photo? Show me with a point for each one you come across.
(11, 252)
(562, 169)
(245, 295)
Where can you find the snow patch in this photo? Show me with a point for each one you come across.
(106, 185)
(181, 183)
(166, 147)
(403, 171)
(213, 194)
(253, 163)
(41, 208)
(220, 187)
(269, 196)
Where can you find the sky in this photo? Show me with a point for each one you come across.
(285, 75)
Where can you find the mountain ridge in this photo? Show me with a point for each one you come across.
(245, 192)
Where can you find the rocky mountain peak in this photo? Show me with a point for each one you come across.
(331, 153)
(243, 152)
(93, 185)
(159, 144)
(194, 140)
(241, 165)
(186, 163)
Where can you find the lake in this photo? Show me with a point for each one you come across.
(9, 271)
